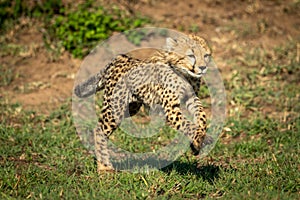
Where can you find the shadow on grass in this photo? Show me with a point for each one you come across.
(209, 172)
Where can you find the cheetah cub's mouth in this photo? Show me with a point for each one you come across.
(201, 71)
(199, 66)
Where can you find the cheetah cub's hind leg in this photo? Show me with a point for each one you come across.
(101, 149)
(112, 114)
(107, 124)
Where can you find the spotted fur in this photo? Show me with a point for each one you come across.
(167, 78)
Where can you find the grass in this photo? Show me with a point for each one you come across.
(41, 157)
(256, 157)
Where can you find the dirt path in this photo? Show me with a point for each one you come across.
(42, 81)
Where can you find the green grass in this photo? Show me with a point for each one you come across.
(42, 157)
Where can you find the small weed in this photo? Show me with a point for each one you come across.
(6, 76)
(194, 28)
(135, 37)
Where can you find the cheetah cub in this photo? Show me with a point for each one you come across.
(167, 78)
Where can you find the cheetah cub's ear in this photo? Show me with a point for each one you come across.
(170, 44)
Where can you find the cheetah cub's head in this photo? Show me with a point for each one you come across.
(190, 56)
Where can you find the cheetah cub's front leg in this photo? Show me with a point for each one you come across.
(195, 131)
(200, 138)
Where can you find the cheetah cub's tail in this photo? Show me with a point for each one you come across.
(89, 86)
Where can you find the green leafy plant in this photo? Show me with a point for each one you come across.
(82, 29)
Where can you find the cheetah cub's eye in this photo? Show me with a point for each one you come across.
(207, 58)
(190, 54)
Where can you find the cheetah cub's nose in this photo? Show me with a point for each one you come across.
(203, 69)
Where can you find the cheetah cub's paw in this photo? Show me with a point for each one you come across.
(101, 168)
(208, 140)
(197, 147)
